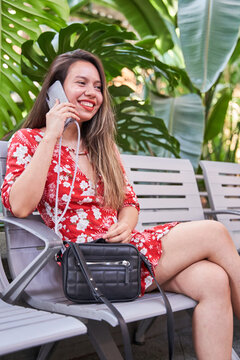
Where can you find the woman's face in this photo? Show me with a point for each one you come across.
(82, 86)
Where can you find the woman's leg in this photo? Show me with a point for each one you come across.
(208, 283)
(190, 242)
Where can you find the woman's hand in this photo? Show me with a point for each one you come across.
(119, 232)
(56, 117)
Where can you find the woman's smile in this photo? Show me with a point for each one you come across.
(83, 88)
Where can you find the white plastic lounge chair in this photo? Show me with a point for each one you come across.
(22, 328)
(222, 181)
(167, 191)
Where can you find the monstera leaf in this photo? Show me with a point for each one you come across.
(111, 43)
(21, 20)
(208, 33)
(148, 18)
(138, 129)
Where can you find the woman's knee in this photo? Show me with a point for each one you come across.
(217, 232)
(214, 283)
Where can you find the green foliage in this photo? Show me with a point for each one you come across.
(184, 119)
(208, 34)
(111, 44)
(219, 112)
(21, 20)
(192, 50)
(138, 130)
(142, 15)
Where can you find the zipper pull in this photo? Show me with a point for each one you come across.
(127, 265)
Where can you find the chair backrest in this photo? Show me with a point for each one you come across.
(222, 181)
(166, 189)
(3, 278)
(16, 238)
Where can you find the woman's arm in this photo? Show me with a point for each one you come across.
(121, 231)
(27, 190)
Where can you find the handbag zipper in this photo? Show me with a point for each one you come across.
(107, 263)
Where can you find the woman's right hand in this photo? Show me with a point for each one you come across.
(56, 117)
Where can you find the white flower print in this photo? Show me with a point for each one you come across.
(83, 185)
(81, 238)
(56, 168)
(88, 192)
(65, 197)
(82, 222)
(96, 212)
(143, 251)
(48, 210)
(8, 177)
(20, 154)
(86, 200)
(148, 281)
(66, 184)
(38, 138)
(74, 219)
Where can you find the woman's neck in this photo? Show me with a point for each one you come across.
(70, 137)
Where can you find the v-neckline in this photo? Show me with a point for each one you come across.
(91, 183)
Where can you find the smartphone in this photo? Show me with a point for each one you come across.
(54, 92)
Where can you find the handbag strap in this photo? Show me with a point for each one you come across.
(170, 318)
(99, 296)
(123, 326)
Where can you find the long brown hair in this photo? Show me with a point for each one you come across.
(98, 134)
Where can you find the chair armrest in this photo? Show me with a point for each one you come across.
(221, 211)
(53, 244)
(37, 228)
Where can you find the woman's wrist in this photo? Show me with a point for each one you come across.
(49, 139)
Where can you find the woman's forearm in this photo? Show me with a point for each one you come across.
(128, 214)
(28, 188)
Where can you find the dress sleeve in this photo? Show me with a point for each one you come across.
(130, 196)
(20, 151)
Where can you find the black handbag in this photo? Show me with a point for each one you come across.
(100, 272)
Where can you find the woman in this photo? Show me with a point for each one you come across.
(198, 258)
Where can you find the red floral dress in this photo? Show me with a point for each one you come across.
(85, 219)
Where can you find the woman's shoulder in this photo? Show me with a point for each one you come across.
(27, 135)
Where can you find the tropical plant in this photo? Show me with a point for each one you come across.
(111, 43)
(198, 38)
(21, 20)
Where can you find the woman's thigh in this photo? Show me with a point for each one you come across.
(201, 280)
(191, 242)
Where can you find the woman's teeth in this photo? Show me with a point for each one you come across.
(87, 105)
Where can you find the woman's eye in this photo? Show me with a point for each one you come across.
(81, 82)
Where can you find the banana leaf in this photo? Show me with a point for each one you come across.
(184, 119)
(217, 117)
(208, 33)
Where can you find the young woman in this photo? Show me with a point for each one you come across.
(198, 258)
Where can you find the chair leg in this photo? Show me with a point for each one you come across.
(143, 327)
(46, 350)
(103, 341)
(235, 355)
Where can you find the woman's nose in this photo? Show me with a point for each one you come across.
(90, 90)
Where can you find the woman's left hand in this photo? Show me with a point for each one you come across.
(119, 232)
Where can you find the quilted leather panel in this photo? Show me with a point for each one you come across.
(117, 282)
